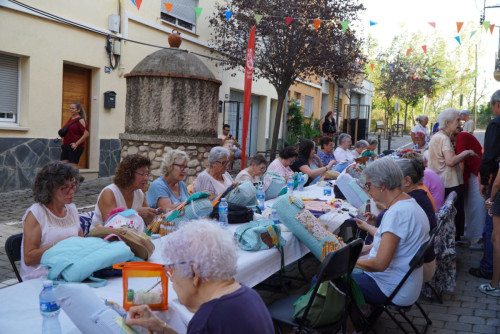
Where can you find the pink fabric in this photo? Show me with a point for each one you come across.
(435, 185)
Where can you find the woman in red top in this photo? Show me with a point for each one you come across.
(74, 141)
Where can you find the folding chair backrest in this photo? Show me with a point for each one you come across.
(334, 265)
(13, 250)
(356, 247)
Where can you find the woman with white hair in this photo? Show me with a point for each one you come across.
(444, 161)
(215, 179)
(403, 229)
(342, 152)
(360, 147)
(167, 191)
(421, 126)
(202, 257)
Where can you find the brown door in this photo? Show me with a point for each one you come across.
(76, 88)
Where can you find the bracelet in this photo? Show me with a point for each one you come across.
(368, 231)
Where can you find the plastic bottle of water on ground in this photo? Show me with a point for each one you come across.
(274, 216)
(301, 182)
(327, 190)
(289, 185)
(49, 310)
(223, 209)
(261, 198)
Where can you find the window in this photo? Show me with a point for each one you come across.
(182, 13)
(308, 106)
(9, 88)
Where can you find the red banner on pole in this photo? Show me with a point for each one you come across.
(247, 95)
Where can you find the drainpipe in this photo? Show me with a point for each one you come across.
(123, 28)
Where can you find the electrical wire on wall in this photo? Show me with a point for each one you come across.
(109, 51)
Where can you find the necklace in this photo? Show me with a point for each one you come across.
(394, 199)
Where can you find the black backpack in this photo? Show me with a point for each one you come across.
(236, 214)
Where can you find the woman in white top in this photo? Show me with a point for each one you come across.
(52, 218)
(215, 179)
(421, 126)
(131, 175)
(281, 164)
(257, 167)
(342, 152)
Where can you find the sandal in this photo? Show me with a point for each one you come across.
(478, 272)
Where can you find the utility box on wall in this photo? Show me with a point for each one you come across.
(109, 99)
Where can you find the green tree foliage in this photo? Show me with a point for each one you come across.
(300, 127)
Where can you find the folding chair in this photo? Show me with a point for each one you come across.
(13, 250)
(335, 264)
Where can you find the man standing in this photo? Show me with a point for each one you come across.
(229, 142)
(489, 267)
(468, 125)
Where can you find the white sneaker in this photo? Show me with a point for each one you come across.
(489, 290)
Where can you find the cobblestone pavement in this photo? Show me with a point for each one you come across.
(466, 310)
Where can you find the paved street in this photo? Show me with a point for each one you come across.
(466, 310)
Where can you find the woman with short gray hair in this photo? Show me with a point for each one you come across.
(167, 191)
(215, 179)
(403, 229)
(360, 147)
(202, 258)
(421, 126)
(342, 153)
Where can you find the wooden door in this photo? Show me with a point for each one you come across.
(76, 88)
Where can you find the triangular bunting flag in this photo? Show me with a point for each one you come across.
(372, 65)
(198, 11)
(439, 71)
(459, 26)
(345, 24)
(458, 39)
(408, 52)
(372, 23)
(491, 28)
(228, 14)
(258, 17)
(407, 76)
(424, 47)
(138, 2)
(486, 25)
(390, 67)
(472, 33)
(433, 24)
(134, 3)
(288, 20)
(168, 6)
(429, 71)
(317, 23)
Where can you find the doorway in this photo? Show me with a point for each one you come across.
(76, 88)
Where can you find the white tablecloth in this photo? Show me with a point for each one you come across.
(19, 309)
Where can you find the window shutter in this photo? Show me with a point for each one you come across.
(181, 9)
(9, 84)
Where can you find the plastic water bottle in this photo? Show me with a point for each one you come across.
(261, 198)
(274, 216)
(49, 310)
(223, 209)
(289, 185)
(327, 190)
(301, 182)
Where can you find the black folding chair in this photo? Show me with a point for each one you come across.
(13, 250)
(336, 264)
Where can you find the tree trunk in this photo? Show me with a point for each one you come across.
(406, 114)
(277, 123)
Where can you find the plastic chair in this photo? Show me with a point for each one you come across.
(336, 264)
(13, 250)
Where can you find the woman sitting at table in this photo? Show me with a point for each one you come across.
(342, 153)
(257, 167)
(403, 229)
(52, 218)
(325, 153)
(360, 147)
(215, 179)
(131, 175)
(167, 191)
(307, 164)
(203, 258)
(370, 150)
(282, 163)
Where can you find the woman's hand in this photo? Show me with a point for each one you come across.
(143, 316)
(330, 164)
(471, 153)
(73, 146)
(146, 213)
(370, 218)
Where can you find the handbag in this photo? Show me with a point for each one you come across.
(277, 183)
(64, 131)
(236, 214)
(196, 206)
(244, 194)
(142, 247)
(259, 235)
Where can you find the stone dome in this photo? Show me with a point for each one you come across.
(170, 62)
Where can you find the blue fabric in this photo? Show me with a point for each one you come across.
(325, 159)
(160, 189)
(369, 289)
(340, 167)
(435, 128)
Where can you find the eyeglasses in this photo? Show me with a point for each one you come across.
(182, 167)
(368, 185)
(169, 267)
(68, 188)
(223, 163)
(143, 174)
(263, 169)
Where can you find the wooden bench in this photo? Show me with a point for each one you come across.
(379, 126)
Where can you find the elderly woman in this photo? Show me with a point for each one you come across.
(281, 164)
(252, 173)
(167, 191)
(421, 126)
(305, 163)
(131, 175)
(52, 218)
(444, 161)
(370, 150)
(342, 152)
(203, 257)
(326, 151)
(359, 148)
(215, 179)
(403, 229)
(420, 142)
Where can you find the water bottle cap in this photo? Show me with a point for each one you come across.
(47, 283)
(222, 199)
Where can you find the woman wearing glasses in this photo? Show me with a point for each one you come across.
(131, 175)
(257, 167)
(52, 218)
(203, 258)
(167, 191)
(215, 179)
